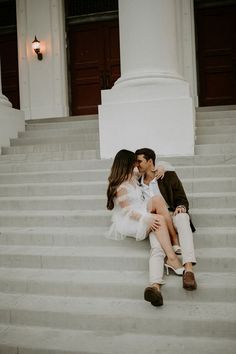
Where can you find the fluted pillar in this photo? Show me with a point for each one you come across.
(150, 104)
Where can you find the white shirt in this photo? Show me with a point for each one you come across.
(151, 189)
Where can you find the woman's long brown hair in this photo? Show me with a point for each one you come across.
(122, 167)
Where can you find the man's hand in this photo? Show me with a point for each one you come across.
(160, 172)
(180, 209)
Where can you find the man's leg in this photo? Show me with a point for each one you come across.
(181, 222)
(156, 261)
(156, 268)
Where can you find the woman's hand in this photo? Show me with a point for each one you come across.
(160, 172)
(153, 222)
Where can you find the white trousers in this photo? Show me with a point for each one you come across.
(157, 255)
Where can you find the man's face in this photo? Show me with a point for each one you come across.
(142, 164)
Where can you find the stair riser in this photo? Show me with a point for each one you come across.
(89, 124)
(102, 175)
(215, 149)
(53, 133)
(216, 114)
(203, 240)
(227, 129)
(50, 156)
(100, 204)
(87, 145)
(48, 190)
(111, 262)
(53, 140)
(100, 188)
(77, 156)
(74, 176)
(203, 220)
(104, 322)
(116, 290)
(215, 122)
(78, 165)
(216, 139)
(55, 239)
(56, 177)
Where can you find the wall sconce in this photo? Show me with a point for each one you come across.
(36, 48)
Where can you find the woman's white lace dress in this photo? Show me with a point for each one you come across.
(129, 213)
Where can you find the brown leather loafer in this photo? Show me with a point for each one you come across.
(189, 282)
(153, 295)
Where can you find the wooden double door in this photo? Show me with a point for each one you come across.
(94, 62)
(216, 55)
(9, 68)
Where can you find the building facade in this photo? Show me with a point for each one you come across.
(137, 65)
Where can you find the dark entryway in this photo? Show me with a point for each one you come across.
(93, 51)
(8, 52)
(216, 52)
(94, 63)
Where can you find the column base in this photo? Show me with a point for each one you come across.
(12, 121)
(164, 124)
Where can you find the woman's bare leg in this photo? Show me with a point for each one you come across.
(157, 205)
(163, 237)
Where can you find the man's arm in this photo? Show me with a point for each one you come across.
(161, 167)
(180, 198)
(175, 191)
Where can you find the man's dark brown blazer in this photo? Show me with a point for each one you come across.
(173, 192)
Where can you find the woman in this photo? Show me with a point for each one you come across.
(135, 217)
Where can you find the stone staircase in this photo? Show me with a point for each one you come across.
(65, 288)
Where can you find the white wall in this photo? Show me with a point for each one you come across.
(43, 84)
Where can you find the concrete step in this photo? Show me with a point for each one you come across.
(215, 114)
(77, 157)
(204, 237)
(208, 130)
(56, 176)
(76, 124)
(54, 165)
(216, 138)
(206, 149)
(51, 156)
(213, 122)
(51, 147)
(96, 202)
(64, 174)
(45, 340)
(58, 133)
(219, 287)
(75, 218)
(199, 319)
(55, 139)
(212, 200)
(209, 185)
(99, 258)
(63, 119)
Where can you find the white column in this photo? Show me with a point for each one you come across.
(150, 104)
(43, 84)
(186, 45)
(11, 120)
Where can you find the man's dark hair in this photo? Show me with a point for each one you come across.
(147, 153)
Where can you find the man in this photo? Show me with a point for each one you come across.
(173, 192)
